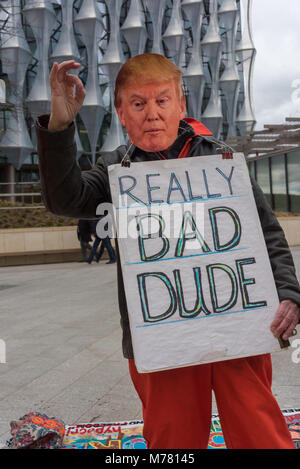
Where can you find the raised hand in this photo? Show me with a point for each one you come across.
(67, 95)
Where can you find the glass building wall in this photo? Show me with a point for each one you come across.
(279, 187)
(279, 178)
(263, 177)
(293, 170)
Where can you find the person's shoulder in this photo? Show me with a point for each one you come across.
(209, 145)
(107, 158)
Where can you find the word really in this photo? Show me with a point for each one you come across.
(186, 192)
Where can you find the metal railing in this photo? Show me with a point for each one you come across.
(21, 192)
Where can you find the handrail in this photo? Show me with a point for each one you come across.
(21, 182)
(19, 194)
(20, 208)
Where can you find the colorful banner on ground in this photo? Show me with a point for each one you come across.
(197, 275)
(129, 435)
(122, 435)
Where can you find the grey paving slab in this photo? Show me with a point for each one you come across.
(61, 326)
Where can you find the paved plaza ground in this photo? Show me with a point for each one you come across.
(60, 324)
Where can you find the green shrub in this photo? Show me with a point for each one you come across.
(30, 217)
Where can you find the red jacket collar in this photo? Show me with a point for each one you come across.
(198, 127)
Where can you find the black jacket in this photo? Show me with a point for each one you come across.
(68, 191)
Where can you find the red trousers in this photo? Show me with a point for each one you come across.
(177, 405)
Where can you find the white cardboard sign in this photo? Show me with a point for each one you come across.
(198, 281)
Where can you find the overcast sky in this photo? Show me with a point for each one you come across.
(276, 37)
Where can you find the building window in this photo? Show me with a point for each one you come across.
(279, 183)
(293, 162)
(251, 167)
(263, 177)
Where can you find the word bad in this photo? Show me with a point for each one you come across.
(188, 231)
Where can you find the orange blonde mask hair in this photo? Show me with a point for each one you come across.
(145, 69)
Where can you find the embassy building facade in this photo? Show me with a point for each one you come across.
(209, 40)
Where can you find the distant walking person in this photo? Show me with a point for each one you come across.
(84, 237)
(105, 242)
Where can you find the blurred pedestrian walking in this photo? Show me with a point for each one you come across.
(84, 237)
(105, 243)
